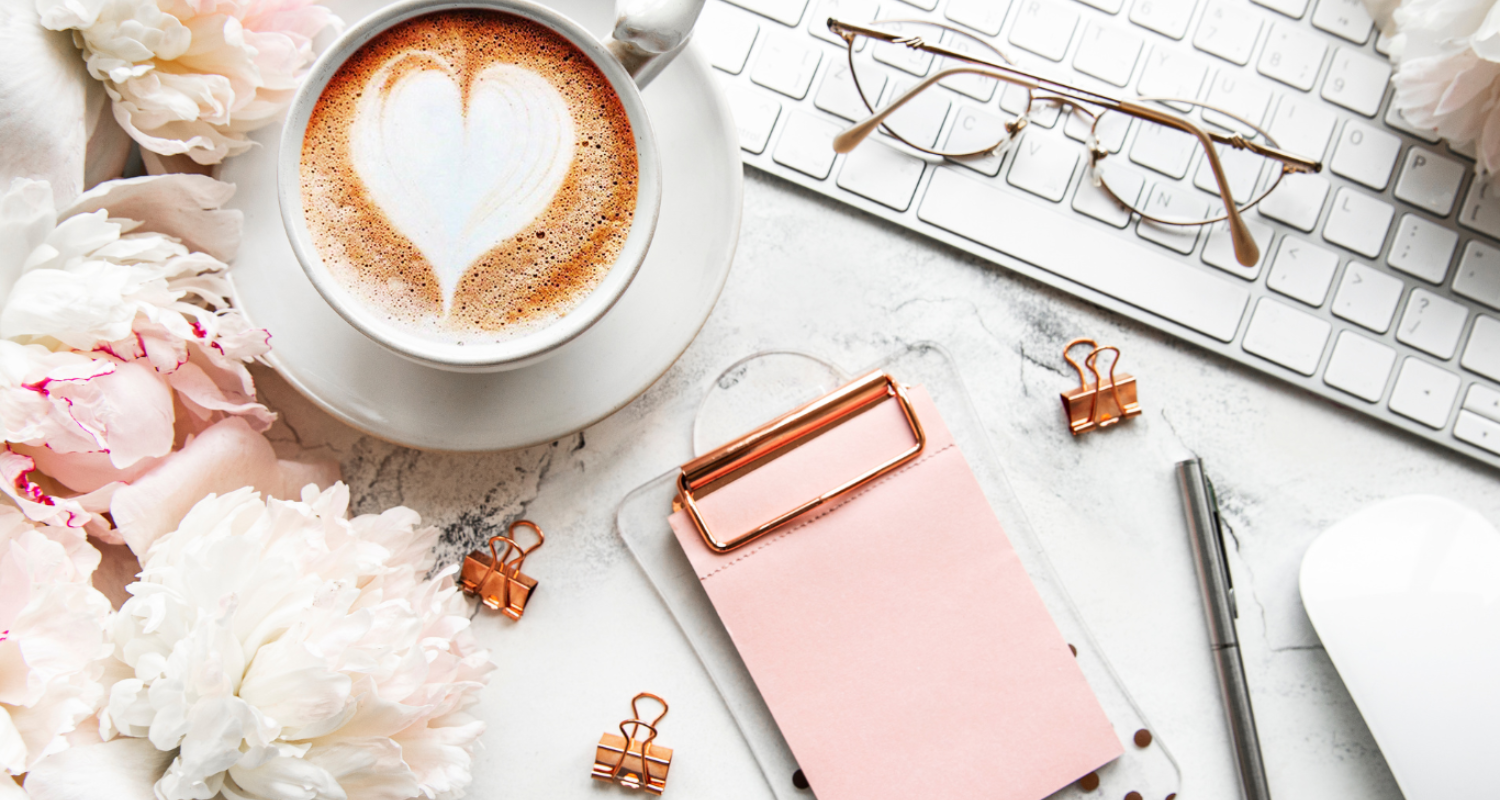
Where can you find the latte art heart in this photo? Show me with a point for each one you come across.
(458, 178)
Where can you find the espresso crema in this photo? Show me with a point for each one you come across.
(470, 174)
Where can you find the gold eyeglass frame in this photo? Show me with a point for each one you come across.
(1246, 250)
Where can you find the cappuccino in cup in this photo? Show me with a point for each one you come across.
(469, 176)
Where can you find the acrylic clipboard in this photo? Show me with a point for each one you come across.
(761, 387)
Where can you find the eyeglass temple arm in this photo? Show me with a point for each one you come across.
(1246, 251)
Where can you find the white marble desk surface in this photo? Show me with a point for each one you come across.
(819, 277)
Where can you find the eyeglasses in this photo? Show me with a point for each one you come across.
(1232, 166)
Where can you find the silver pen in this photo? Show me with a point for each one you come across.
(1204, 530)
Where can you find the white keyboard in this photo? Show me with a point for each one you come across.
(1379, 280)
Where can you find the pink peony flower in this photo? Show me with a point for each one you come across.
(193, 76)
(280, 651)
(118, 346)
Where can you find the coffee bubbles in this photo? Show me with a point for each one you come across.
(470, 174)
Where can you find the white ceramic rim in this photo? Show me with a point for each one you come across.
(510, 353)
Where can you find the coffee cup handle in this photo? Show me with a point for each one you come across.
(650, 33)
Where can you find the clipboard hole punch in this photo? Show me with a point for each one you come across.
(1103, 403)
(630, 761)
(498, 580)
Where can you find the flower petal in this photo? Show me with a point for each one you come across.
(122, 769)
(188, 207)
(43, 89)
(225, 457)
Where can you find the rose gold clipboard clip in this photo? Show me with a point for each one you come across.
(1104, 402)
(498, 581)
(714, 470)
(630, 761)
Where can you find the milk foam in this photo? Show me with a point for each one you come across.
(441, 233)
(459, 178)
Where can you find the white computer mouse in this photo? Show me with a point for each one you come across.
(1406, 598)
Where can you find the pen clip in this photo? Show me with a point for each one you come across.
(1213, 508)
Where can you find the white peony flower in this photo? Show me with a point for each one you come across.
(193, 76)
(52, 640)
(279, 651)
(1447, 69)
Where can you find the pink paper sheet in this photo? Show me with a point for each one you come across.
(896, 638)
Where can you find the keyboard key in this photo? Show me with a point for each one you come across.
(787, 12)
(904, 58)
(1045, 27)
(726, 35)
(925, 5)
(1477, 430)
(786, 64)
(1358, 222)
(1107, 6)
(1166, 201)
(976, 86)
(1302, 126)
(754, 114)
(1228, 30)
(882, 173)
(1395, 119)
(1367, 297)
(858, 12)
(1482, 353)
(1219, 252)
(1429, 181)
(1166, 17)
(1356, 81)
(1109, 132)
(1482, 207)
(1240, 167)
(1292, 8)
(1294, 339)
(976, 129)
(1166, 150)
(1172, 74)
(1424, 393)
(806, 144)
(921, 120)
(1483, 400)
(1240, 95)
(1432, 324)
(1292, 56)
(1366, 154)
(1099, 259)
(1296, 201)
(984, 16)
(1108, 53)
(1043, 166)
(1422, 248)
(1344, 18)
(1478, 275)
(1043, 113)
(838, 94)
(1092, 200)
(1302, 271)
(1359, 366)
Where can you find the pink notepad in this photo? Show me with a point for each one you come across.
(896, 637)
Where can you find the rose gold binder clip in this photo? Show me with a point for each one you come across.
(1104, 402)
(498, 580)
(633, 762)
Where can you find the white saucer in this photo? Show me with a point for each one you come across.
(588, 379)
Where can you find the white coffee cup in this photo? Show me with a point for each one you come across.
(647, 35)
